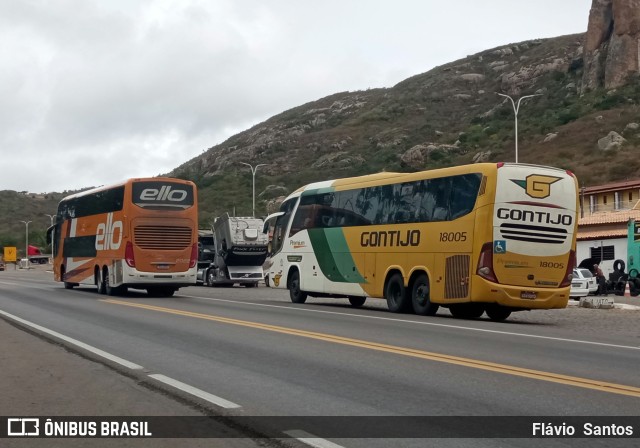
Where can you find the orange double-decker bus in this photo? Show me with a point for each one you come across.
(141, 233)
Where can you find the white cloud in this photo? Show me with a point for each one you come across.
(95, 92)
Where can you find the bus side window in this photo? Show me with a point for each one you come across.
(464, 193)
(303, 219)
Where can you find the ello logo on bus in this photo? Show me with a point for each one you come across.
(109, 234)
(165, 193)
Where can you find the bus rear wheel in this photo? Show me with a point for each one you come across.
(421, 297)
(100, 287)
(295, 293)
(357, 302)
(498, 313)
(396, 295)
(108, 289)
(467, 310)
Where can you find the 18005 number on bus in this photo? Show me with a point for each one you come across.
(453, 237)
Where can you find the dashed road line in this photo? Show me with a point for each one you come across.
(310, 439)
(89, 348)
(218, 401)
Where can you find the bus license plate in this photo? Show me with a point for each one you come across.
(528, 295)
(162, 267)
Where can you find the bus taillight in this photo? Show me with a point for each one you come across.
(485, 263)
(128, 255)
(194, 255)
(568, 275)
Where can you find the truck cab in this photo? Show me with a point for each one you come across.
(238, 252)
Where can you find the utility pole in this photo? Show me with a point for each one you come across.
(26, 243)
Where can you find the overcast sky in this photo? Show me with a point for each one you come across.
(94, 92)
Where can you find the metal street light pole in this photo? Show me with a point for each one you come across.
(253, 172)
(26, 243)
(516, 108)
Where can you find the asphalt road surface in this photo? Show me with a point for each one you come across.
(250, 352)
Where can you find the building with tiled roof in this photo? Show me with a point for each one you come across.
(606, 212)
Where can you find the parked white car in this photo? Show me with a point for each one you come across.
(587, 275)
(581, 285)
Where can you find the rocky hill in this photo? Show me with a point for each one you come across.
(447, 116)
(16, 207)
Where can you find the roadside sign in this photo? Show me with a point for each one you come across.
(10, 254)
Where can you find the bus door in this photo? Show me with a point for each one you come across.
(307, 223)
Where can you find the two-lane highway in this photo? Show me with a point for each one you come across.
(260, 355)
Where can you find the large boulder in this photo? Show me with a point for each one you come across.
(481, 157)
(414, 157)
(613, 140)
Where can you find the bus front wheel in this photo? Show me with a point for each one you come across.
(296, 295)
(421, 297)
(395, 294)
(357, 302)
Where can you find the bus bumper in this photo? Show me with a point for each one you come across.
(133, 277)
(518, 296)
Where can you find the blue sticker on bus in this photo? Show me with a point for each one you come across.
(499, 247)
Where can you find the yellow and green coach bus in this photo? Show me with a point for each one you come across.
(490, 237)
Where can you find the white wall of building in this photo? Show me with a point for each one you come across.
(583, 250)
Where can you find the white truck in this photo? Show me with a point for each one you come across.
(239, 251)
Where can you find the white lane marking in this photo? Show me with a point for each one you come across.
(94, 350)
(196, 392)
(32, 285)
(310, 439)
(456, 327)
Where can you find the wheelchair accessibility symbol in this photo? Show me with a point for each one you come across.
(499, 247)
